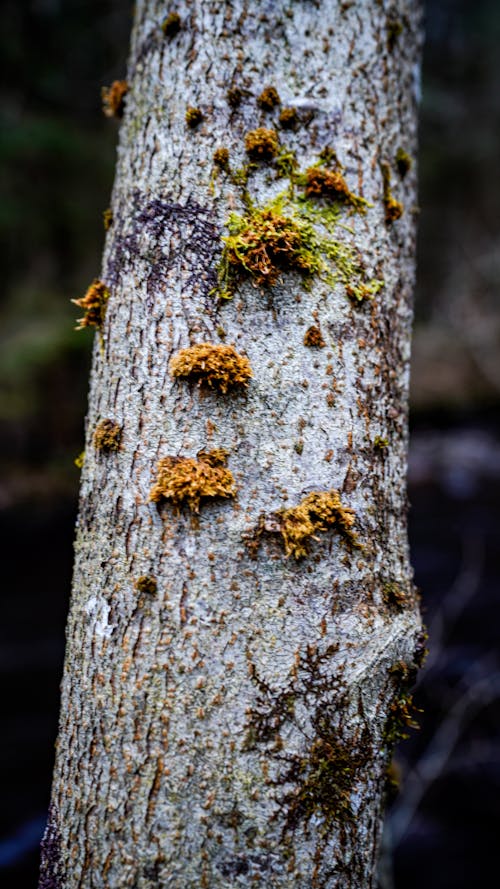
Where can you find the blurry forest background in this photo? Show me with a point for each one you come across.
(57, 159)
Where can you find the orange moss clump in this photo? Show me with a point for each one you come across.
(94, 305)
(184, 480)
(262, 144)
(107, 436)
(268, 98)
(289, 118)
(319, 511)
(330, 185)
(220, 367)
(113, 98)
(314, 338)
(221, 158)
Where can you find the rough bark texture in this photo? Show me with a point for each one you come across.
(233, 726)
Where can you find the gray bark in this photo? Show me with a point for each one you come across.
(192, 719)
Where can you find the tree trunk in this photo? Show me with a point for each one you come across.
(243, 624)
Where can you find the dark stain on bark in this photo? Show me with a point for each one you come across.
(50, 850)
(180, 235)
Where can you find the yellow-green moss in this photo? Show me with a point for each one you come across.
(107, 436)
(217, 366)
(194, 116)
(187, 481)
(268, 98)
(264, 244)
(318, 512)
(113, 98)
(262, 144)
(94, 305)
(147, 584)
(380, 443)
(79, 460)
(314, 338)
(393, 208)
(171, 25)
(403, 162)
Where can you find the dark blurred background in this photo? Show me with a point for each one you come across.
(57, 158)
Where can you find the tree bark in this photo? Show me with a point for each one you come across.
(228, 709)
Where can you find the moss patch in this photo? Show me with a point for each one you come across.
(113, 98)
(217, 366)
(262, 144)
(221, 158)
(403, 162)
(147, 584)
(330, 185)
(94, 305)
(107, 436)
(318, 512)
(265, 243)
(171, 25)
(193, 117)
(393, 208)
(314, 338)
(187, 481)
(289, 119)
(325, 782)
(268, 98)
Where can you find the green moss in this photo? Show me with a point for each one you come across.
(193, 117)
(380, 444)
(264, 244)
(286, 164)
